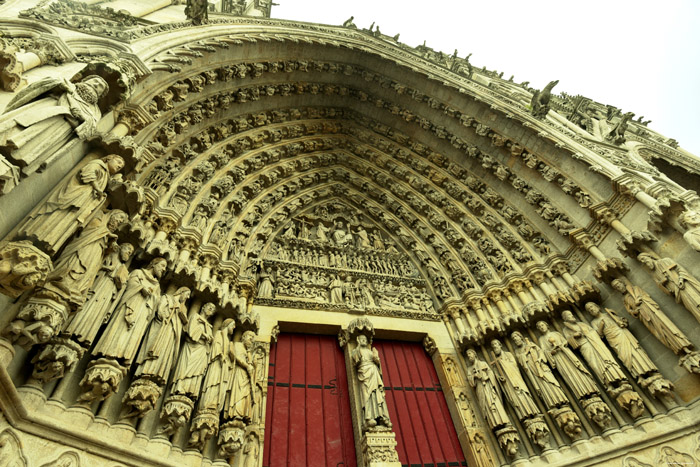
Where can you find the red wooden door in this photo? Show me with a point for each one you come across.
(424, 430)
(308, 416)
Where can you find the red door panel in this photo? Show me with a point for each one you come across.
(424, 430)
(308, 415)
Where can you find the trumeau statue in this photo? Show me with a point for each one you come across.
(104, 294)
(32, 129)
(583, 337)
(365, 359)
(614, 329)
(71, 206)
(577, 376)
(194, 357)
(675, 280)
(132, 315)
(641, 306)
(518, 395)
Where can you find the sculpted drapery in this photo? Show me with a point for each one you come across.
(194, 358)
(367, 364)
(482, 379)
(676, 281)
(534, 363)
(35, 127)
(132, 315)
(71, 206)
(239, 398)
(512, 382)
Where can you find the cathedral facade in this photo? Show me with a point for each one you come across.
(235, 240)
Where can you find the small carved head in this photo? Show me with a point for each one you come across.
(117, 217)
(542, 326)
(183, 293)
(496, 346)
(517, 338)
(646, 259)
(568, 316)
(618, 285)
(362, 340)
(208, 309)
(98, 84)
(125, 251)
(158, 266)
(114, 163)
(592, 308)
(247, 339)
(471, 355)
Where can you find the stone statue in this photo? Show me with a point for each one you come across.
(349, 24)
(336, 290)
(482, 379)
(617, 133)
(691, 219)
(239, 397)
(197, 11)
(133, 313)
(362, 238)
(539, 105)
(194, 358)
(640, 305)
(583, 337)
(518, 395)
(675, 280)
(614, 329)
(365, 359)
(33, 128)
(534, 363)
(577, 376)
(322, 233)
(160, 348)
(216, 381)
(265, 286)
(341, 237)
(104, 293)
(71, 206)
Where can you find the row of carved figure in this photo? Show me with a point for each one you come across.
(127, 322)
(571, 359)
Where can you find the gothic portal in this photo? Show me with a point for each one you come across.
(235, 240)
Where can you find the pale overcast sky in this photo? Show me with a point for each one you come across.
(641, 56)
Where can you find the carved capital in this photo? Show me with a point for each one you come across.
(22, 267)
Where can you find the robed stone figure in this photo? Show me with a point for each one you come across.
(560, 356)
(369, 373)
(640, 305)
(77, 267)
(218, 372)
(194, 357)
(71, 206)
(159, 350)
(537, 369)
(516, 391)
(127, 326)
(239, 398)
(482, 379)
(676, 281)
(103, 296)
(36, 125)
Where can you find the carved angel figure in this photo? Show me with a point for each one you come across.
(369, 373)
(36, 124)
(71, 206)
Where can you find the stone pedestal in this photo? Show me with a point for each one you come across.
(379, 449)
